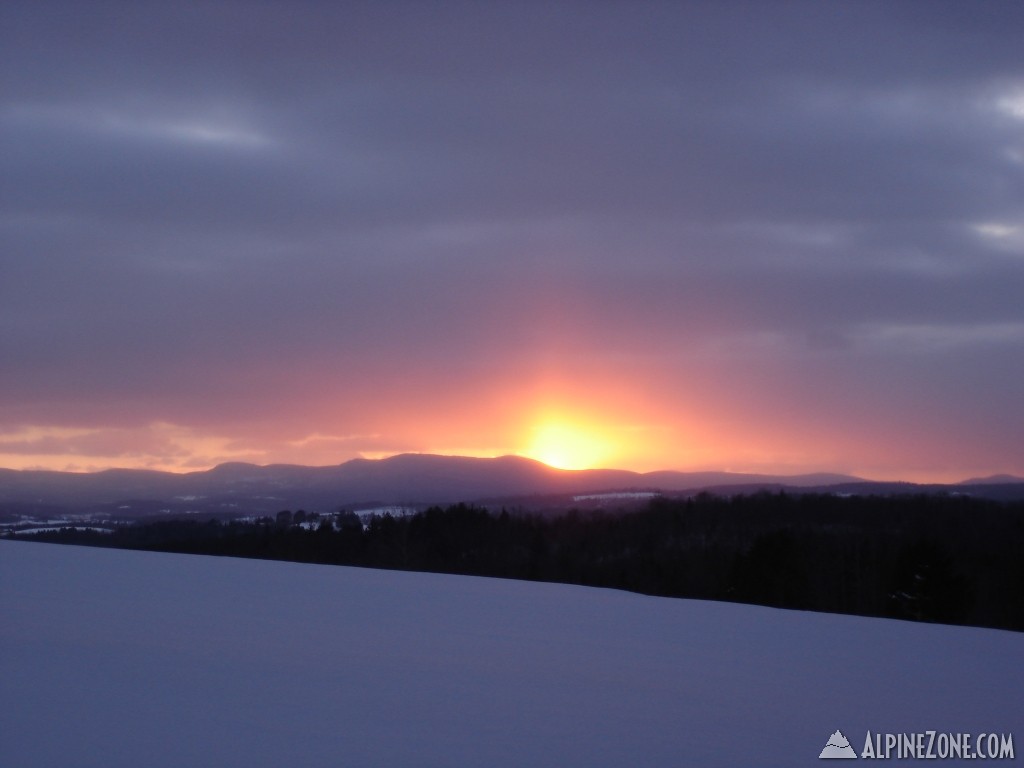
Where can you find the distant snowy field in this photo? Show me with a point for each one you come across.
(112, 658)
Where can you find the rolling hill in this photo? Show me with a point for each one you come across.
(119, 658)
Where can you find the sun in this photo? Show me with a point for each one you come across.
(564, 445)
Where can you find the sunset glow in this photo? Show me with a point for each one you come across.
(687, 236)
(568, 446)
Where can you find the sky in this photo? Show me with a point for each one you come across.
(773, 237)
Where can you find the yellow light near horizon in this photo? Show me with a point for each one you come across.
(567, 446)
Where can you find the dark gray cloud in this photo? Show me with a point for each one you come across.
(287, 194)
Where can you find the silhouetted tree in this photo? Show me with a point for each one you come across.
(772, 572)
(927, 585)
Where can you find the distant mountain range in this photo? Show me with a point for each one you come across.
(408, 479)
(993, 480)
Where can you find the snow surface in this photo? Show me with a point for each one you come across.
(113, 658)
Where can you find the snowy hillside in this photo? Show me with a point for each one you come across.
(116, 658)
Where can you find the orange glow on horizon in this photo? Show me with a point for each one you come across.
(567, 426)
(565, 445)
(559, 422)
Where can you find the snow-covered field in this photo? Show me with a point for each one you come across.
(111, 658)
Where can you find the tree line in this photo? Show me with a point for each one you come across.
(949, 559)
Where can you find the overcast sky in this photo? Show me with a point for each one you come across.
(688, 235)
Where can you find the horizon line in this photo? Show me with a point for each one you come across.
(850, 477)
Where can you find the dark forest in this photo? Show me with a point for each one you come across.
(948, 559)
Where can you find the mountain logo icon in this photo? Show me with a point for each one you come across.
(838, 748)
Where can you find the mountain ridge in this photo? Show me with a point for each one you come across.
(998, 479)
(409, 479)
